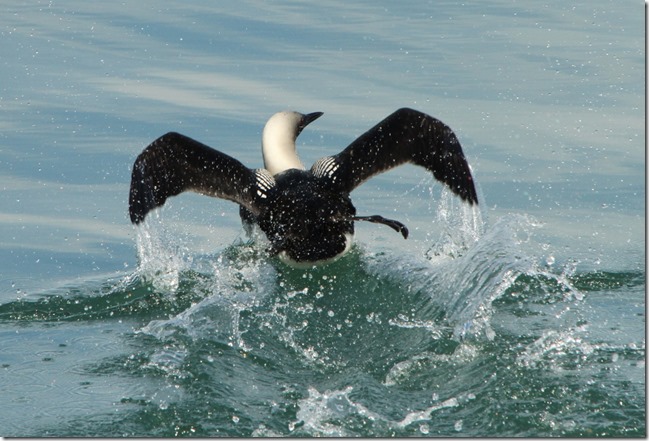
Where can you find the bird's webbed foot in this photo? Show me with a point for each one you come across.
(395, 225)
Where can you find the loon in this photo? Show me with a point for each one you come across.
(307, 215)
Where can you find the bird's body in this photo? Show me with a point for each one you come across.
(307, 215)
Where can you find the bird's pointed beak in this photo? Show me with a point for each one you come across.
(308, 119)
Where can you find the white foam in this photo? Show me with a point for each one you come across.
(321, 414)
(403, 370)
(555, 348)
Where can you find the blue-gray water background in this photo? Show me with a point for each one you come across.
(524, 317)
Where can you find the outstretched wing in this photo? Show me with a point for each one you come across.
(406, 136)
(175, 163)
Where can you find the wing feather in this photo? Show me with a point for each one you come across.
(405, 136)
(175, 163)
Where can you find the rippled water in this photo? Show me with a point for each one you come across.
(491, 342)
(524, 316)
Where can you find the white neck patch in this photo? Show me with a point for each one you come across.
(278, 142)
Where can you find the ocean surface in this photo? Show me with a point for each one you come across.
(523, 316)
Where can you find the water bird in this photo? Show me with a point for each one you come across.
(307, 215)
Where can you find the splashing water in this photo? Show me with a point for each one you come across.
(328, 413)
(401, 343)
(161, 259)
(237, 343)
(461, 227)
(464, 270)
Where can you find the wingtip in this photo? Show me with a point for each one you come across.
(135, 215)
(472, 197)
(469, 195)
(138, 205)
(136, 218)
